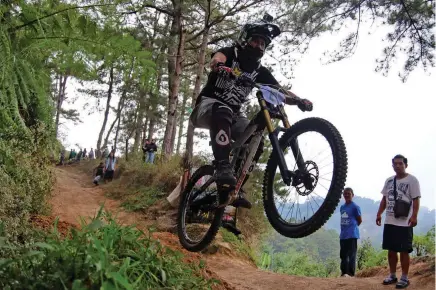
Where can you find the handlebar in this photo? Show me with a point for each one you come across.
(303, 104)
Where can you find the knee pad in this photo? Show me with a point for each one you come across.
(222, 112)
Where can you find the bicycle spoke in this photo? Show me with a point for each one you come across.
(286, 203)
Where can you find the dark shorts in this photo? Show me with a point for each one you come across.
(109, 175)
(201, 117)
(397, 239)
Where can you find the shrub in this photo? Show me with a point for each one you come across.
(26, 178)
(102, 255)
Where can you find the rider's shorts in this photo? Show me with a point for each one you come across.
(201, 116)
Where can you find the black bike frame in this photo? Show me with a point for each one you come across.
(273, 136)
(255, 130)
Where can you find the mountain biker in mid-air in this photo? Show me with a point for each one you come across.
(218, 107)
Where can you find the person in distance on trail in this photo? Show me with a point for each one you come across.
(91, 154)
(152, 148)
(351, 218)
(401, 194)
(145, 149)
(218, 106)
(99, 173)
(109, 167)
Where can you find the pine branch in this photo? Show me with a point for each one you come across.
(57, 12)
(162, 10)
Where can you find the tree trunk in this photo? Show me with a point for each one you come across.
(182, 113)
(175, 59)
(154, 102)
(130, 135)
(106, 140)
(139, 121)
(116, 134)
(120, 108)
(106, 113)
(196, 92)
(60, 100)
(174, 131)
(118, 118)
(151, 128)
(127, 149)
(144, 128)
(156, 96)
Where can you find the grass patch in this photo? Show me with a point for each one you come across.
(142, 198)
(238, 244)
(101, 255)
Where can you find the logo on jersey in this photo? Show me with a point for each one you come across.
(236, 71)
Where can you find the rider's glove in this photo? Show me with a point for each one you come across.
(222, 70)
(305, 105)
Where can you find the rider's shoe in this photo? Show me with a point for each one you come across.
(224, 173)
(229, 224)
(231, 228)
(225, 180)
(241, 201)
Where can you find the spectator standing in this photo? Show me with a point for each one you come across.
(351, 218)
(110, 167)
(105, 153)
(152, 148)
(145, 149)
(79, 155)
(99, 173)
(401, 194)
(62, 157)
(91, 154)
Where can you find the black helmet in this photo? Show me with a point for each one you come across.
(263, 28)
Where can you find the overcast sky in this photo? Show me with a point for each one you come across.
(377, 116)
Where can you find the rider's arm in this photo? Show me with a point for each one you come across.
(265, 77)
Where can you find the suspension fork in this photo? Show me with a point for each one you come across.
(273, 137)
(294, 143)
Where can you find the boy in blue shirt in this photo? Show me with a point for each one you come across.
(351, 218)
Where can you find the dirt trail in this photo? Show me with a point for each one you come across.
(75, 196)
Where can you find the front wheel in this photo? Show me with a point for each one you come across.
(199, 217)
(301, 209)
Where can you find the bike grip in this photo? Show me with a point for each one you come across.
(290, 101)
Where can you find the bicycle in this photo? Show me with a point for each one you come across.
(199, 201)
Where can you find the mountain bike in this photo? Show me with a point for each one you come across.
(199, 208)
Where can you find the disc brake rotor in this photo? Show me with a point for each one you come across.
(307, 181)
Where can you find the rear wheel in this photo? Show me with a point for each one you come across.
(314, 201)
(199, 218)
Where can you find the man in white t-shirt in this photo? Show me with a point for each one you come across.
(398, 231)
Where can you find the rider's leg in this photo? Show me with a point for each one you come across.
(220, 136)
(213, 115)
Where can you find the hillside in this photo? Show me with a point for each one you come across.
(74, 196)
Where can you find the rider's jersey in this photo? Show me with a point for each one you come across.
(225, 89)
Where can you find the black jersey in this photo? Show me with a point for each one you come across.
(225, 89)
